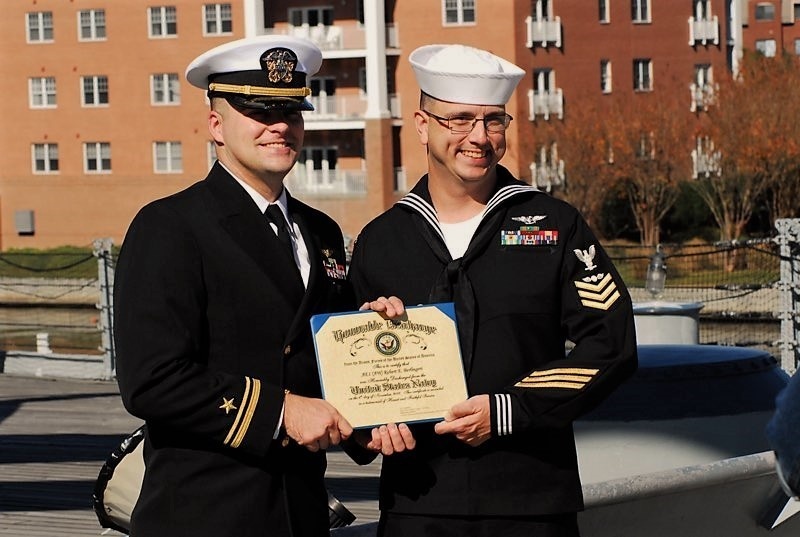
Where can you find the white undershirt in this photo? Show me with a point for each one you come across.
(301, 257)
(458, 234)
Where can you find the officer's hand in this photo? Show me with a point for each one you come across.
(389, 439)
(470, 421)
(314, 423)
(389, 307)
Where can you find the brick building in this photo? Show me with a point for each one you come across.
(100, 120)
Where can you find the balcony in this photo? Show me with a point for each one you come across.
(339, 37)
(344, 107)
(327, 182)
(543, 32)
(705, 161)
(545, 104)
(703, 31)
(702, 97)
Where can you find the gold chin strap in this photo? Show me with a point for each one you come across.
(259, 90)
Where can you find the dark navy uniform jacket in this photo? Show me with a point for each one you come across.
(533, 277)
(211, 327)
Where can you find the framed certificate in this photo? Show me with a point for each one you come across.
(377, 371)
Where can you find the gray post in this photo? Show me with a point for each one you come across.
(105, 278)
(789, 241)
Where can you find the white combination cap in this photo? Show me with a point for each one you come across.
(463, 74)
(264, 72)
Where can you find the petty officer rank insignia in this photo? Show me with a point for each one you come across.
(333, 268)
(600, 295)
(529, 236)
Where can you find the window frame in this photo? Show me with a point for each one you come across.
(97, 81)
(47, 158)
(93, 25)
(98, 158)
(43, 91)
(163, 21)
(766, 50)
(638, 87)
(606, 77)
(763, 8)
(167, 79)
(41, 27)
(641, 12)
(460, 7)
(218, 18)
(169, 158)
(604, 11)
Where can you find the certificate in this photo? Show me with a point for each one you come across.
(377, 371)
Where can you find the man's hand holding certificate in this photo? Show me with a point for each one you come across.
(402, 370)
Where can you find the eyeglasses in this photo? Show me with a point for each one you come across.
(496, 124)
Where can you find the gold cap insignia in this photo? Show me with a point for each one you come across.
(280, 64)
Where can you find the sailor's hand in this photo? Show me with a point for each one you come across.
(470, 421)
(389, 439)
(314, 423)
(390, 308)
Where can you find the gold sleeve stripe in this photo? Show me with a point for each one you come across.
(598, 296)
(596, 287)
(601, 305)
(241, 411)
(565, 371)
(568, 385)
(248, 416)
(550, 378)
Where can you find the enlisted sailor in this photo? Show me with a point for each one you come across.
(527, 275)
(214, 289)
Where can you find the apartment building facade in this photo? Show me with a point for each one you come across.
(102, 120)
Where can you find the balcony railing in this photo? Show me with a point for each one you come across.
(344, 107)
(703, 31)
(705, 163)
(543, 32)
(545, 104)
(702, 96)
(336, 37)
(330, 182)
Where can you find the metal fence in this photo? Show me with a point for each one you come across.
(749, 292)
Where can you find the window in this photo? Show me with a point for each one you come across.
(163, 21)
(702, 10)
(458, 12)
(94, 90)
(97, 157)
(796, 11)
(765, 12)
(542, 10)
(604, 8)
(642, 75)
(165, 88)
(703, 75)
(605, 76)
(217, 19)
(45, 158)
(40, 27)
(797, 46)
(544, 80)
(311, 16)
(767, 47)
(92, 25)
(640, 10)
(167, 157)
(42, 92)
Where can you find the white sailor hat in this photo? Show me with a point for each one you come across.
(463, 74)
(266, 72)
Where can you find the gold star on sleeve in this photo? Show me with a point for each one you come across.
(227, 405)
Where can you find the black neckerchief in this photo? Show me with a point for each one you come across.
(453, 283)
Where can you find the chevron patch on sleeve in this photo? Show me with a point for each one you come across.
(600, 295)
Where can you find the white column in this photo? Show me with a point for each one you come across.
(253, 17)
(375, 28)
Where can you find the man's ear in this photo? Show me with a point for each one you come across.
(215, 126)
(421, 124)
